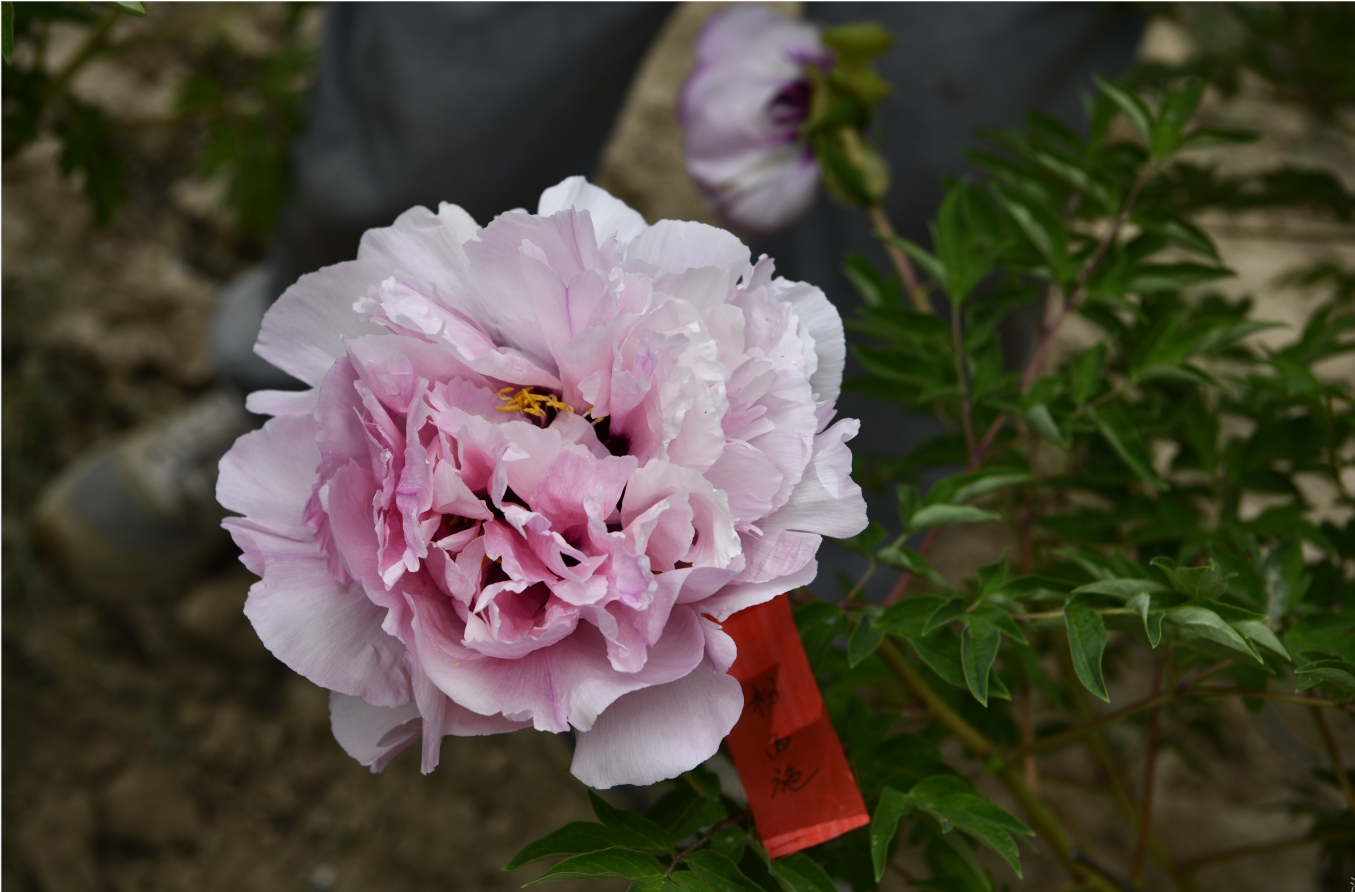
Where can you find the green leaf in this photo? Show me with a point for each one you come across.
(884, 824)
(1122, 588)
(866, 637)
(631, 823)
(7, 30)
(908, 502)
(947, 612)
(1002, 620)
(800, 873)
(1193, 582)
(978, 649)
(1329, 633)
(922, 257)
(1142, 604)
(690, 881)
(1203, 629)
(943, 515)
(575, 838)
(1085, 373)
(130, 7)
(730, 842)
(721, 874)
(1039, 418)
(950, 799)
(1328, 670)
(1119, 432)
(656, 884)
(1132, 106)
(1151, 277)
(617, 862)
(874, 290)
(1177, 107)
(1203, 137)
(964, 488)
(858, 41)
(1087, 641)
(909, 561)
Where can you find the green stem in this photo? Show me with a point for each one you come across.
(1041, 818)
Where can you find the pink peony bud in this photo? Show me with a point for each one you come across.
(539, 463)
(741, 110)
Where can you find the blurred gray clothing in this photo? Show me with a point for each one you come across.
(485, 105)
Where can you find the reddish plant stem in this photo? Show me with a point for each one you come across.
(1149, 781)
(903, 582)
(884, 230)
(1338, 765)
(1080, 287)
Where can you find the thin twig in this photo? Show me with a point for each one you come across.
(1149, 781)
(1196, 864)
(91, 45)
(1083, 277)
(901, 585)
(1334, 753)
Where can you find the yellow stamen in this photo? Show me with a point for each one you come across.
(529, 403)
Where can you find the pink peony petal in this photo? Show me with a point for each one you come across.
(659, 732)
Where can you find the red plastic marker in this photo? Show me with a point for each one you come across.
(799, 785)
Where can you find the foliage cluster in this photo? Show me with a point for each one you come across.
(247, 106)
(1176, 495)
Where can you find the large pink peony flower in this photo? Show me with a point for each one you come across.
(741, 110)
(538, 465)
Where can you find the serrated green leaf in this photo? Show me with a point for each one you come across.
(884, 824)
(576, 838)
(631, 823)
(952, 800)
(616, 863)
(943, 515)
(978, 649)
(800, 873)
(865, 638)
(1087, 641)
(1119, 432)
(721, 874)
(1203, 629)
(1142, 604)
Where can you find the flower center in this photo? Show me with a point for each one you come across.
(529, 402)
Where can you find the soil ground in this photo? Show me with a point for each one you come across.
(153, 744)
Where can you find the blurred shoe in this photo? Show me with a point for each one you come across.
(140, 517)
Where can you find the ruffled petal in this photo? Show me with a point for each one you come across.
(373, 735)
(304, 331)
(827, 500)
(611, 216)
(659, 732)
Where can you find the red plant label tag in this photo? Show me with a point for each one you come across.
(790, 761)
